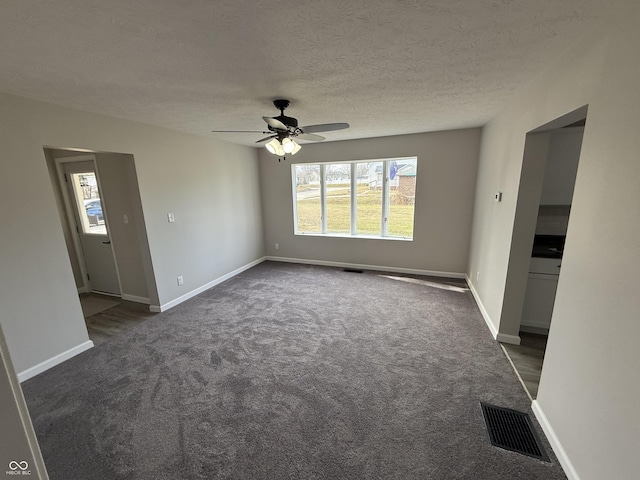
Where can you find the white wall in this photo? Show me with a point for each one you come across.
(64, 221)
(588, 392)
(18, 442)
(447, 164)
(562, 166)
(121, 197)
(212, 187)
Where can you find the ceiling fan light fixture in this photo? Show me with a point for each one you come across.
(296, 147)
(288, 145)
(274, 147)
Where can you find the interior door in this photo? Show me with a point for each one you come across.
(88, 208)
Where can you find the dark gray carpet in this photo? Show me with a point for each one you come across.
(289, 372)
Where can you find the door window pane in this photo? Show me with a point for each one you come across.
(402, 194)
(308, 207)
(85, 188)
(369, 198)
(338, 192)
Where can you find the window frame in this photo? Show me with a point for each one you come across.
(384, 235)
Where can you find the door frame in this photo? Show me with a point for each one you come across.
(73, 224)
(533, 165)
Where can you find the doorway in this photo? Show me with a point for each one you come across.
(103, 226)
(550, 165)
(84, 202)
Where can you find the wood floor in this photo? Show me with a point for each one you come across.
(527, 359)
(104, 325)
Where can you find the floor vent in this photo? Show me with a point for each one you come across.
(352, 270)
(512, 430)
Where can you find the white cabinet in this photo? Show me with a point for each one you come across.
(562, 166)
(541, 293)
(550, 266)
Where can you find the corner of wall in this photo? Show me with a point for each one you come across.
(53, 361)
(558, 449)
(18, 442)
(500, 337)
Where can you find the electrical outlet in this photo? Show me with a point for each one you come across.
(180, 280)
(277, 246)
(125, 218)
(171, 217)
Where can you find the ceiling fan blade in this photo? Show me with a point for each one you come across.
(267, 138)
(325, 127)
(238, 131)
(276, 124)
(310, 137)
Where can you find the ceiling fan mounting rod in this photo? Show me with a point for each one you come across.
(281, 104)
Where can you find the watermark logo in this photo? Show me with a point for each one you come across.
(18, 468)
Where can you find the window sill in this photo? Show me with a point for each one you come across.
(347, 235)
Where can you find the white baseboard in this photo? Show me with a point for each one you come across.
(136, 299)
(512, 339)
(560, 452)
(500, 337)
(166, 306)
(53, 361)
(106, 294)
(483, 311)
(429, 273)
(83, 289)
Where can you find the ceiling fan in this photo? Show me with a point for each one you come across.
(283, 131)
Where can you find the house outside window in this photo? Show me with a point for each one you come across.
(365, 198)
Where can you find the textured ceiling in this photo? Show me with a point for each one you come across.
(385, 66)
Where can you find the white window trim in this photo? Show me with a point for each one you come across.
(386, 162)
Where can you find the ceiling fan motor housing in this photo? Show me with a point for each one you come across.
(282, 104)
(288, 121)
